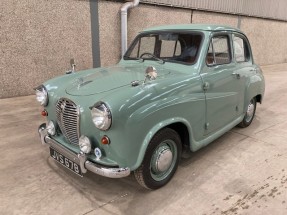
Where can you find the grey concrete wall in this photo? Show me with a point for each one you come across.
(39, 37)
(267, 37)
(138, 18)
(37, 40)
(214, 18)
(109, 29)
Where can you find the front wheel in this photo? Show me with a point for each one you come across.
(161, 160)
(249, 115)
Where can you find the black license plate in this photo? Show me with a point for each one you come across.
(66, 162)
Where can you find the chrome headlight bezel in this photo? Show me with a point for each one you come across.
(101, 116)
(85, 144)
(42, 95)
(51, 128)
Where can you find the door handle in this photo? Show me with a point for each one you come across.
(205, 86)
(237, 75)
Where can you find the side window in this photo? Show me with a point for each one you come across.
(218, 51)
(240, 49)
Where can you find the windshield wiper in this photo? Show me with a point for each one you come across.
(159, 59)
(153, 56)
(134, 58)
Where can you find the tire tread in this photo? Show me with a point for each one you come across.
(243, 123)
(141, 174)
(139, 177)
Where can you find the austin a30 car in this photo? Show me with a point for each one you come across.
(177, 87)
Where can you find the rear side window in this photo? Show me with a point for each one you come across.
(241, 51)
(218, 51)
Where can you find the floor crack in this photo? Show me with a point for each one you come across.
(106, 203)
(269, 127)
(248, 136)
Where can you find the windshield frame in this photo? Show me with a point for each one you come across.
(142, 34)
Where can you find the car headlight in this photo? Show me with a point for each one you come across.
(101, 116)
(85, 144)
(42, 95)
(51, 128)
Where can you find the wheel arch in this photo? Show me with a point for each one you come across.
(253, 91)
(259, 98)
(180, 125)
(255, 87)
(182, 130)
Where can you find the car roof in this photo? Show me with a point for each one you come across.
(200, 27)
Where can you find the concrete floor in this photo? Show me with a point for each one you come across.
(243, 172)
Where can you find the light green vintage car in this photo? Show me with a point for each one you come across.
(177, 87)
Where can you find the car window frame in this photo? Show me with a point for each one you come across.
(246, 41)
(230, 48)
(198, 32)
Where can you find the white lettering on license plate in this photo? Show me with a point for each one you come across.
(65, 161)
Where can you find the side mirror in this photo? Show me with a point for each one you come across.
(73, 67)
(150, 73)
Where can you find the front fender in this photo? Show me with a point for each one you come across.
(255, 86)
(154, 130)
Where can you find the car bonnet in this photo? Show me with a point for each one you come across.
(107, 79)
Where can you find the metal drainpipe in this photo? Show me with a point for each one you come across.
(124, 22)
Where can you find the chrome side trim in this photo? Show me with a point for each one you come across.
(81, 158)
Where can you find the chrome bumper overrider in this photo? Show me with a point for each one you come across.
(81, 158)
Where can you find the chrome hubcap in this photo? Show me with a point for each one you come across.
(250, 111)
(163, 160)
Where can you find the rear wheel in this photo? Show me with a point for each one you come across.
(161, 160)
(249, 115)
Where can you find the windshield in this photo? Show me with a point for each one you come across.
(163, 46)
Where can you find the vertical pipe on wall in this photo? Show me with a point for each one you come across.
(95, 33)
(124, 21)
(239, 22)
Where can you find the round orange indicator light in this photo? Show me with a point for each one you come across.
(105, 140)
(44, 113)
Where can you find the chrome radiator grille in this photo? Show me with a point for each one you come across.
(68, 119)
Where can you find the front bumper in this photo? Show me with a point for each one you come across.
(81, 158)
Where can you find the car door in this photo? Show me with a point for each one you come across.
(221, 83)
(244, 67)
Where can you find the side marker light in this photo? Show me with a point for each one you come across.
(44, 113)
(105, 140)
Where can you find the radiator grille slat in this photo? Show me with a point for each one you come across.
(67, 113)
